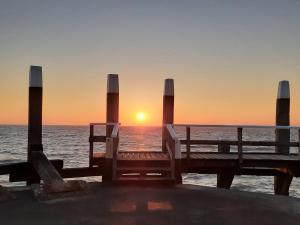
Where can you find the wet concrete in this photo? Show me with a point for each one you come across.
(182, 204)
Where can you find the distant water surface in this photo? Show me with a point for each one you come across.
(71, 144)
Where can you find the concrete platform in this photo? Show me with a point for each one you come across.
(182, 204)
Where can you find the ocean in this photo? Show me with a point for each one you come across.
(70, 143)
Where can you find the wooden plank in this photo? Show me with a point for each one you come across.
(64, 172)
(97, 139)
(235, 126)
(45, 169)
(81, 172)
(188, 142)
(240, 145)
(144, 169)
(53, 182)
(8, 168)
(99, 155)
(232, 142)
(299, 144)
(246, 156)
(91, 146)
(24, 171)
(142, 156)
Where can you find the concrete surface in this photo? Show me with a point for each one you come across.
(182, 204)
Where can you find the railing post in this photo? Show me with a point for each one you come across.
(188, 144)
(177, 154)
(173, 146)
(168, 108)
(240, 144)
(283, 117)
(112, 102)
(35, 113)
(282, 135)
(224, 179)
(299, 144)
(112, 116)
(91, 145)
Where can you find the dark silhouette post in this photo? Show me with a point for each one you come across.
(35, 116)
(35, 110)
(224, 179)
(168, 108)
(282, 135)
(112, 116)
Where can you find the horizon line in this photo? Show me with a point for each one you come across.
(147, 125)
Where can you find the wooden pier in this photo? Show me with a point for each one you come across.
(167, 164)
(225, 163)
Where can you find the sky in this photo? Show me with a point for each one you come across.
(226, 58)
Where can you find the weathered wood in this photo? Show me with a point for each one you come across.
(283, 188)
(44, 168)
(142, 156)
(81, 172)
(282, 136)
(173, 145)
(35, 110)
(168, 109)
(240, 145)
(236, 126)
(52, 181)
(244, 143)
(272, 160)
(23, 167)
(112, 116)
(188, 142)
(35, 114)
(24, 171)
(91, 147)
(112, 102)
(64, 172)
(283, 116)
(98, 139)
(299, 144)
(224, 179)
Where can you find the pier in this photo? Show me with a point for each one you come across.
(167, 164)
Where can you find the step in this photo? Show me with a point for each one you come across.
(143, 169)
(138, 164)
(160, 180)
(142, 156)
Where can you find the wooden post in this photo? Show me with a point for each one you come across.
(112, 116)
(168, 108)
(52, 181)
(35, 110)
(188, 144)
(224, 179)
(283, 117)
(91, 145)
(282, 136)
(240, 145)
(299, 144)
(35, 115)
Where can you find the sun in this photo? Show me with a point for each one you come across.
(140, 117)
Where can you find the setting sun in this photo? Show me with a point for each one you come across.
(140, 116)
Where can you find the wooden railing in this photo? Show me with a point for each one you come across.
(111, 140)
(239, 142)
(173, 146)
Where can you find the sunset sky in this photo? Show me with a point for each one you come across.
(226, 58)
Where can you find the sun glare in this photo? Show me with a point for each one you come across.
(140, 116)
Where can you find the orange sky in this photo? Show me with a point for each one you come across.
(226, 59)
(83, 101)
